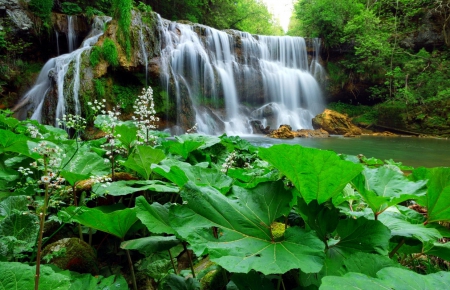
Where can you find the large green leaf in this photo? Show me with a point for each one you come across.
(236, 232)
(437, 249)
(175, 282)
(198, 175)
(323, 218)
(438, 197)
(383, 187)
(249, 281)
(125, 187)
(127, 133)
(83, 165)
(23, 227)
(151, 244)
(251, 177)
(362, 235)
(12, 204)
(155, 216)
(317, 174)
(400, 226)
(388, 278)
(142, 158)
(182, 148)
(17, 276)
(117, 222)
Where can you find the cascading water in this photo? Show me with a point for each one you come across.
(263, 78)
(54, 73)
(71, 35)
(144, 54)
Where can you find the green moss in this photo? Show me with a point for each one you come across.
(110, 53)
(125, 96)
(99, 88)
(78, 256)
(95, 56)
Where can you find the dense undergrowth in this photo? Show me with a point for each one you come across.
(210, 212)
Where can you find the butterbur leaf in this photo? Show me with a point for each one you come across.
(249, 281)
(125, 187)
(361, 235)
(83, 165)
(383, 187)
(367, 264)
(438, 195)
(196, 174)
(117, 222)
(175, 282)
(236, 232)
(142, 158)
(400, 226)
(13, 203)
(127, 132)
(23, 227)
(317, 174)
(151, 244)
(437, 249)
(322, 218)
(155, 216)
(182, 148)
(387, 278)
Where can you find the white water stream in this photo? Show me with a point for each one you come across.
(57, 69)
(263, 78)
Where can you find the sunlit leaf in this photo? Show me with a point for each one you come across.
(142, 158)
(317, 174)
(236, 232)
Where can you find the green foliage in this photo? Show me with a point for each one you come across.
(282, 210)
(144, 7)
(125, 96)
(91, 12)
(95, 56)
(99, 88)
(70, 8)
(122, 12)
(110, 53)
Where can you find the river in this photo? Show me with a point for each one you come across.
(412, 151)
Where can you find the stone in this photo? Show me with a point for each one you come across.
(335, 123)
(308, 133)
(283, 132)
(385, 134)
(72, 254)
(258, 127)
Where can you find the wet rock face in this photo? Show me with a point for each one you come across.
(16, 13)
(335, 123)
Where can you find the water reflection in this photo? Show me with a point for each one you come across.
(411, 151)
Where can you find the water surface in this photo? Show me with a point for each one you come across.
(410, 151)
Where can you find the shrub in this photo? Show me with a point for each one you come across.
(109, 52)
(96, 55)
(70, 8)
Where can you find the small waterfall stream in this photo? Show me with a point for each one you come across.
(56, 70)
(240, 77)
(71, 35)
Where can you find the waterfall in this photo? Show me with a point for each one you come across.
(232, 78)
(71, 36)
(144, 54)
(57, 42)
(54, 73)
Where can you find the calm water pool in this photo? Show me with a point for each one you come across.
(411, 151)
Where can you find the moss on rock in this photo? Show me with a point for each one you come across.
(72, 254)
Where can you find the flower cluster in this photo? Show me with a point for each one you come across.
(72, 121)
(229, 161)
(98, 107)
(144, 115)
(192, 130)
(50, 164)
(25, 171)
(34, 132)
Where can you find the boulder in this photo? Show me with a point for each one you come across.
(72, 254)
(335, 123)
(258, 127)
(283, 132)
(308, 133)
